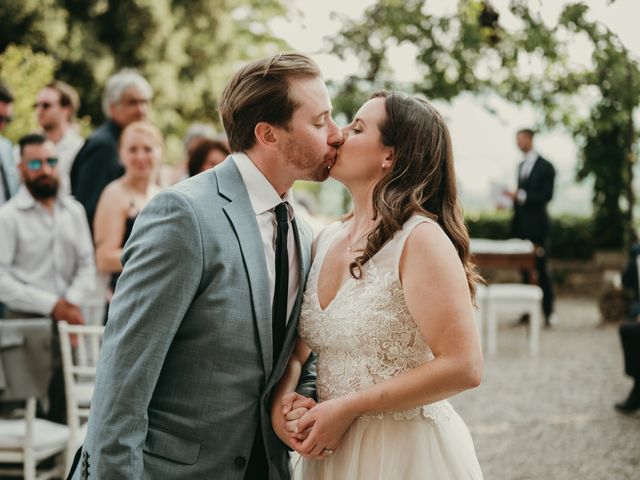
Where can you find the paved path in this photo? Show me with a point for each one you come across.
(552, 417)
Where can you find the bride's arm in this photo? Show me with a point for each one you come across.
(287, 406)
(437, 296)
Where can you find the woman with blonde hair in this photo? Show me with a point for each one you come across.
(141, 148)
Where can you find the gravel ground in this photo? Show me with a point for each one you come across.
(552, 417)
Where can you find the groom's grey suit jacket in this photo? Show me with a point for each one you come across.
(185, 373)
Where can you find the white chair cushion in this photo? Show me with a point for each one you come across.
(45, 434)
(514, 291)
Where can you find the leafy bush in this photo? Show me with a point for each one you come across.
(25, 73)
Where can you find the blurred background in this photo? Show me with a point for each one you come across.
(567, 69)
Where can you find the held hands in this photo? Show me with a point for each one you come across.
(285, 416)
(322, 428)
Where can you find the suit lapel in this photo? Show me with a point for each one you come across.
(242, 217)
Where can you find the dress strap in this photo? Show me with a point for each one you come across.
(401, 238)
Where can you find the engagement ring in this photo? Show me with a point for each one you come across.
(328, 451)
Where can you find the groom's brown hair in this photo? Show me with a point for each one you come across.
(259, 92)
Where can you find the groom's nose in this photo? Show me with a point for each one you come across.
(335, 138)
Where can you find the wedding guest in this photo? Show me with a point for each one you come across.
(206, 155)
(56, 106)
(141, 149)
(46, 260)
(196, 134)
(125, 100)
(630, 339)
(8, 172)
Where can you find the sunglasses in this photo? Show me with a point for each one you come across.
(36, 163)
(43, 105)
(5, 118)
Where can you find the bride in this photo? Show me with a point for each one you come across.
(388, 310)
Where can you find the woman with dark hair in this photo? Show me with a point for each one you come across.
(206, 155)
(388, 309)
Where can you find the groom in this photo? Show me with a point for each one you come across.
(204, 316)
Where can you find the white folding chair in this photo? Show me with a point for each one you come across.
(25, 370)
(29, 440)
(79, 368)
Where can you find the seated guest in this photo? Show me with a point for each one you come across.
(141, 149)
(206, 155)
(630, 338)
(46, 259)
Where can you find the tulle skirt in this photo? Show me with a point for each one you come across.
(389, 449)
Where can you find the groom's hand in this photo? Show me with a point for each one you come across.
(284, 418)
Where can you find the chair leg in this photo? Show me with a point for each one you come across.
(69, 453)
(534, 330)
(29, 465)
(492, 329)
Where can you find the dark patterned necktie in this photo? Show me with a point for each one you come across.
(281, 291)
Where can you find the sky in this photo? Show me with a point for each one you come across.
(483, 142)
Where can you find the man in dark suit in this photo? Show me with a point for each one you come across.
(530, 218)
(125, 100)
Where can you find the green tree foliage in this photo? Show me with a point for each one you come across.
(187, 49)
(25, 73)
(470, 51)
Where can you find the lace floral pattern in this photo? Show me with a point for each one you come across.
(365, 335)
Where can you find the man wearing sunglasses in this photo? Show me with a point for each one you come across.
(55, 108)
(8, 173)
(46, 254)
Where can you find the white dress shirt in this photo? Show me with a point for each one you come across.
(264, 199)
(66, 150)
(44, 255)
(526, 166)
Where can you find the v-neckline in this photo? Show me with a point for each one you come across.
(321, 266)
(349, 279)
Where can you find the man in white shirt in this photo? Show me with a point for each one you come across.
(531, 220)
(56, 106)
(46, 253)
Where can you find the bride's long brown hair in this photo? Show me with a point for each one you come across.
(421, 180)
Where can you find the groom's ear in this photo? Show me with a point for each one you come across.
(266, 136)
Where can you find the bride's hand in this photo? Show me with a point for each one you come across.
(285, 415)
(328, 422)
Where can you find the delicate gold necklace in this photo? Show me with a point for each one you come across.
(352, 245)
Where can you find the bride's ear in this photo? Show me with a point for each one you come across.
(388, 159)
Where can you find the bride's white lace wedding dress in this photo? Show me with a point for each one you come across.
(366, 335)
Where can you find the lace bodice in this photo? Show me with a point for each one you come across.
(366, 334)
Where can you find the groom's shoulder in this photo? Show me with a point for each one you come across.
(201, 189)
